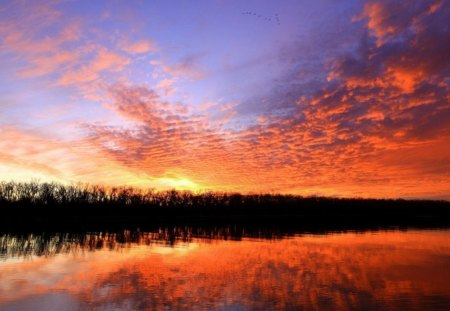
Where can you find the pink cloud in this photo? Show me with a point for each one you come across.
(44, 65)
(66, 55)
(140, 47)
(43, 56)
(105, 61)
(35, 53)
(207, 105)
(166, 86)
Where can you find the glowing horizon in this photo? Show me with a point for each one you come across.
(300, 97)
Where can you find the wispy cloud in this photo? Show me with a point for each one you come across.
(139, 47)
(187, 67)
(104, 61)
(49, 44)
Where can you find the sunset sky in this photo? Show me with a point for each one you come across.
(310, 97)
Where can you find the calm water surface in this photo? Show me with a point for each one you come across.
(382, 270)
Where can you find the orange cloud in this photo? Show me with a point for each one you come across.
(31, 154)
(377, 15)
(311, 152)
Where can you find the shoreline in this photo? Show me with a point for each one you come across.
(323, 216)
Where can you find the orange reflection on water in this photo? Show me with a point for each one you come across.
(387, 270)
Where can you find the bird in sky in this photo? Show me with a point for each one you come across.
(263, 17)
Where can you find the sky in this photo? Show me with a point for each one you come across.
(310, 97)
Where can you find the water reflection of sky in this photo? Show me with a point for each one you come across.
(373, 270)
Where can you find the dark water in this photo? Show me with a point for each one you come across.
(167, 269)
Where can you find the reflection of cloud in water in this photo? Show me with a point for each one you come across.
(387, 270)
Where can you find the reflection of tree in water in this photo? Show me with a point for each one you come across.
(389, 270)
(48, 244)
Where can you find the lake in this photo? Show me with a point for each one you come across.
(182, 268)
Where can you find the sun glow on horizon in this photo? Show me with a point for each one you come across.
(177, 184)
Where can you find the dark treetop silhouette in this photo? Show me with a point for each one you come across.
(52, 205)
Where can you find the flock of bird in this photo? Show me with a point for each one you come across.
(276, 17)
